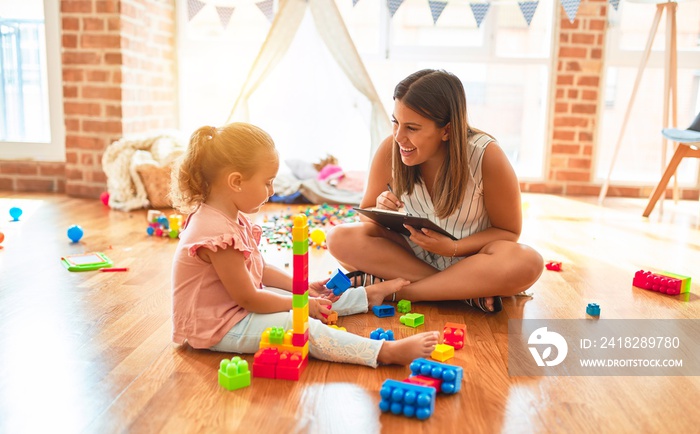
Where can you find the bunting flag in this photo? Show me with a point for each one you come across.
(571, 8)
(393, 6)
(479, 10)
(615, 3)
(193, 8)
(224, 15)
(354, 2)
(436, 8)
(528, 9)
(266, 7)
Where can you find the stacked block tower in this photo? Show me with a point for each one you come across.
(284, 355)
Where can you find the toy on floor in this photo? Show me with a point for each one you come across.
(553, 266)
(162, 226)
(234, 374)
(75, 233)
(453, 334)
(415, 396)
(383, 310)
(86, 261)
(318, 237)
(380, 334)
(443, 352)
(403, 306)
(2, 238)
(332, 318)
(593, 309)
(663, 282)
(412, 319)
(104, 198)
(15, 213)
(284, 355)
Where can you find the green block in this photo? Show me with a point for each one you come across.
(300, 247)
(412, 319)
(234, 374)
(300, 300)
(404, 306)
(277, 335)
(685, 280)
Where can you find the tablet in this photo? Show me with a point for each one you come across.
(86, 261)
(394, 221)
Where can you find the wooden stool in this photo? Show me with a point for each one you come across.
(688, 146)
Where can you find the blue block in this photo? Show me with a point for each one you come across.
(338, 283)
(593, 309)
(450, 375)
(383, 310)
(379, 334)
(411, 400)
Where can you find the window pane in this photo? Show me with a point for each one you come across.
(24, 113)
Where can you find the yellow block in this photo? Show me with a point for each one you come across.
(300, 319)
(443, 352)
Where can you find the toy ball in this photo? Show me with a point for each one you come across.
(104, 197)
(15, 213)
(318, 236)
(150, 230)
(75, 233)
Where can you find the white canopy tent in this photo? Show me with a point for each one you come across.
(333, 32)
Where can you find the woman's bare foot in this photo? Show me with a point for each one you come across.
(404, 351)
(379, 291)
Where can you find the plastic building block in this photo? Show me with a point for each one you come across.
(383, 310)
(453, 334)
(593, 309)
(403, 306)
(451, 376)
(234, 374)
(665, 283)
(290, 366)
(379, 335)
(553, 266)
(411, 400)
(412, 319)
(276, 335)
(265, 362)
(332, 318)
(338, 282)
(342, 329)
(422, 380)
(443, 352)
(300, 339)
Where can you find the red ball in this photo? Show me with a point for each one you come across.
(104, 197)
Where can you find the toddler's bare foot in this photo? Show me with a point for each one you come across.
(404, 351)
(377, 293)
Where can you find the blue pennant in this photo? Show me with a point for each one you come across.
(528, 9)
(193, 8)
(479, 10)
(436, 8)
(266, 7)
(393, 6)
(224, 15)
(571, 8)
(354, 2)
(615, 3)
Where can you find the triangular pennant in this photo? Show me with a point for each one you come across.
(615, 3)
(266, 7)
(479, 10)
(571, 8)
(354, 2)
(393, 6)
(528, 9)
(224, 15)
(193, 8)
(436, 8)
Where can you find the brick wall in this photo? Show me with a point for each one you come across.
(118, 59)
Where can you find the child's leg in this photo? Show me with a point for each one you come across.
(358, 300)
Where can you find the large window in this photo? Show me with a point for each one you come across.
(640, 153)
(504, 65)
(31, 122)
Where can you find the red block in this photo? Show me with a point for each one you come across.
(299, 288)
(453, 334)
(265, 362)
(553, 266)
(656, 282)
(291, 366)
(300, 339)
(424, 381)
(301, 267)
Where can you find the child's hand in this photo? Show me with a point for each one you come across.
(432, 241)
(320, 308)
(318, 289)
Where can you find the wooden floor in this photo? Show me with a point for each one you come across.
(91, 352)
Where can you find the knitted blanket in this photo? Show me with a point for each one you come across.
(122, 159)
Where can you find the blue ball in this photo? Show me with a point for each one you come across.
(75, 233)
(15, 213)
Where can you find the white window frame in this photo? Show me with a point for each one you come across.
(55, 149)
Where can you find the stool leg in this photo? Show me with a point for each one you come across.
(681, 151)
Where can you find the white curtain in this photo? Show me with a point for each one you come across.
(336, 37)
